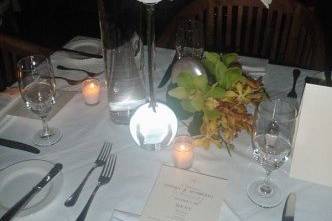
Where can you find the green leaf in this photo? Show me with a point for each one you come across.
(178, 92)
(212, 56)
(211, 114)
(197, 102)
(185, 79)
(216, 92)
(187, 106)
(210, 60)
(229, 58)
(219, 72)
(232, 75)
(200, 82)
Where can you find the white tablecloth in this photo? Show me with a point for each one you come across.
(85, 128)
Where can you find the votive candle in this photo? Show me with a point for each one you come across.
(91, 91)
(182, 151)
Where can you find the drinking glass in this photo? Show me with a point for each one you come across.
(189, 39)
(271, 147)
(37, 88)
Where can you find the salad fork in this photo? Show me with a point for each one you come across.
(296, 74)
(105, 176)
(100, 161)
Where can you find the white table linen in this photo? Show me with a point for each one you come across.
(85, 128)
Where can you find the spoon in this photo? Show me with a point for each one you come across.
(91, 74)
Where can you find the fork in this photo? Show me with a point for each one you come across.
(296, 74)
(100, 161)
(105, 176)
(91, 74)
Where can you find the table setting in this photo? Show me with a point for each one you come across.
(112, 147)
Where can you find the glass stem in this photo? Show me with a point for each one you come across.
(267, 180)
(46, 130)
(266, 188)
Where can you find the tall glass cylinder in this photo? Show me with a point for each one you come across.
(121, 31)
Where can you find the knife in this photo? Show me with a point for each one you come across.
(289, 208)
(168, 72)
(86, 54)
(23, 201)
(18, 145)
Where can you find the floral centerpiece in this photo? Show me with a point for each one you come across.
(218, 101)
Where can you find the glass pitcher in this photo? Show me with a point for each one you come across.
(120, 25)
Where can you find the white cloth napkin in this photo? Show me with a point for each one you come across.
(266, 2)
(226, 214)
(254, 71)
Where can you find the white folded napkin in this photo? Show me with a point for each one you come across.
(226, 214)
(254, 71)
(266, 2)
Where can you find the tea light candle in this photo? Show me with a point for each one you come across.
(182, 151)
(91, 91)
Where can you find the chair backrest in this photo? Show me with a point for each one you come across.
(11, 50)
(287, 33)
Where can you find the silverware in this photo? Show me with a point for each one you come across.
(86, 54)
(105, 176)
(71, 81)
(24, 200)
(91, 74)
(18, 145)
(168, 72)
(100, 161)
(296, 74)
(289, 208)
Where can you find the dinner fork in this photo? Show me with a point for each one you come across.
(100, 161)
(105, 176)
(91, 74)
(296, 74)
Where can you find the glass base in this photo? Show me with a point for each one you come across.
(263, 195)
(55, 136)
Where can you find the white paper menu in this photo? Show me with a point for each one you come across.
(312, 157)
(181, 195)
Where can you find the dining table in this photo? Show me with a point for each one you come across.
(86, 127)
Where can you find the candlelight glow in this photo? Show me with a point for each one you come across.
(91, 91)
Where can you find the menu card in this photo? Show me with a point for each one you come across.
(312, 157)
(181, 195)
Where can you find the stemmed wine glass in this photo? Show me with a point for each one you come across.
(271, 147)
(189, 39)
(37, 88)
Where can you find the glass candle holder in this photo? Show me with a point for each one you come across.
(91, 91)
(182, 152)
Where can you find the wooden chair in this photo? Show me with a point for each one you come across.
(11, 50)
(286, 33)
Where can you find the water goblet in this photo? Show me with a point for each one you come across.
(271, 147)
(37, 87)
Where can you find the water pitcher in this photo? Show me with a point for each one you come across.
(120, 24)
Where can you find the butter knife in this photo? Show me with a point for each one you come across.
(168, 72)
(24, 200)
(86, 54)
(18, 145)
(289, 208)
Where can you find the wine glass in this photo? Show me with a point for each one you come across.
(37, 88)
(271, 147)
(189, 39)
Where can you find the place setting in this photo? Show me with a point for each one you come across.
(203, 139)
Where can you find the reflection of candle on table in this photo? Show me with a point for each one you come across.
(182, 152)
(91, 91)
